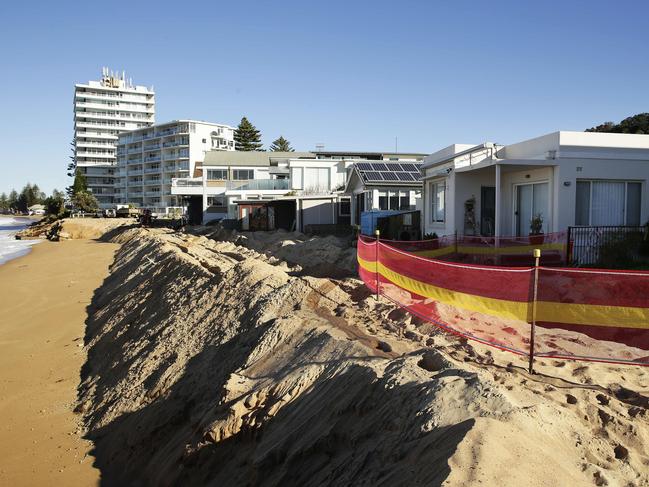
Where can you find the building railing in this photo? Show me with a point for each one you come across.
(613, 247)
(258, 185)
(186, 182)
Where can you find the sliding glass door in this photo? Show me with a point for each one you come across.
(530, 200)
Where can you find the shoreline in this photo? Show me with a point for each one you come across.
(10, 247)
(42, 333)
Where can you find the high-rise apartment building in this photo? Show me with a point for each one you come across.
(102, 110)
(149, 158)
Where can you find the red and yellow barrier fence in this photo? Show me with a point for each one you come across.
(597, 315)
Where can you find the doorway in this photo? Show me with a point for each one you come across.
(487, 211)
(530, 200)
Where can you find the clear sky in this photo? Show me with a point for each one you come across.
(352, 75)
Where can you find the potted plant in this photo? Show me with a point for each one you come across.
(536, 230)
(434, 240)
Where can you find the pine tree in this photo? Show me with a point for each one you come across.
(79, 183)
(281, 145)
(4, 201)
(13, 199)
(247, 137)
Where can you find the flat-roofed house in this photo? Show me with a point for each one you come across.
(566, 178)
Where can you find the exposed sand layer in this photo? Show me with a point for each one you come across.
(212, 364)
(44, 297)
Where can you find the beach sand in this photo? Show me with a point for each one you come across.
(44, 297)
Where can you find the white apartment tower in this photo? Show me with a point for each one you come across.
(102, 110)
(149, 158)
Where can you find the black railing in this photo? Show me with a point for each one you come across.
(610, 247)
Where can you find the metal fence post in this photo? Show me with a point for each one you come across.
(376, 262)
(537, 257)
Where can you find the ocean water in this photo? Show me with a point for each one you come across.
(10, 248)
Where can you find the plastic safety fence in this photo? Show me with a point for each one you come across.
(600, 315)
(482, 303)
(580, 314)
(501, 251)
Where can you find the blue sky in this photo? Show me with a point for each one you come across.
(352, 75)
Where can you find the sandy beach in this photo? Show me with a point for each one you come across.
(44, 297)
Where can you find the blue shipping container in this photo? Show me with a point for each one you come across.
(369, 219)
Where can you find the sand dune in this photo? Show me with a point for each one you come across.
(212, 364)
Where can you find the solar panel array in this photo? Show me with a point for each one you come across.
(389, 172)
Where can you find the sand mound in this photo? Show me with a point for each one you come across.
(75, 228)
(327, 256)
(212, 364)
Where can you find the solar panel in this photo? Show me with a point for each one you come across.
(405, 176)
(373, 176)
(379, 166)
(395, 166)
(390, 176)
(364, 166)
(409, 167)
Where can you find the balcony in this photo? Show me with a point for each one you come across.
(153, 193)
(175, 143)
(150, 170)
(258, 185)
(186, 182)
(152, 146)
(152, 182)
(186, 186)
(152, 159)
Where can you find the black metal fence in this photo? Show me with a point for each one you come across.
(610, 247)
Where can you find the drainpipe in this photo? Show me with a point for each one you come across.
(498, 209)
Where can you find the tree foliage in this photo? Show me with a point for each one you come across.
(247, 137)
(637, 124)
(84, 201)
(79, 183)
(30, 195)
(281, 145)
(55, 204)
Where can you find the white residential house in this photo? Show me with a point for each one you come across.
(225, 180)
(569, 178)
(149, 159)
(384, 185)
(102, 110)
(229, 179)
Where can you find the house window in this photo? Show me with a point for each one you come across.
(215, 201)
(344, 207)
(600, 203)
(316, 179)
(383, 200)
(243, 174)
(217, 174)
(404, 200)
(394, 200)
(438, 201)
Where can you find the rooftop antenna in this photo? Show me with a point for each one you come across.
(396, 144)
(319, 147)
